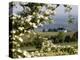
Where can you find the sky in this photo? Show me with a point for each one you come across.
(60, 17)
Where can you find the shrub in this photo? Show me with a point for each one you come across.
(67, 38)
(60, 37)
(75, 37)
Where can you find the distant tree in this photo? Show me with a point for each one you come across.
(61, 36)
(75, 37)
(49, 30)
(55, 30)
(67, 38)
(43, 30)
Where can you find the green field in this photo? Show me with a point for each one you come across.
(53, 33)
(68, 44)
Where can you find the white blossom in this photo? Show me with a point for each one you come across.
(14, 42)
(29, 31)
(65, 31)
(13, 50)
(59, 46)
(19, 50)
(20, 39)
(21, 28)
(50, 11)
(28, 36)
(40, 24)
(54, 46)
(49, 49)
(13, 31)
(23, 3)
(46, 18)
(34, 13)
(34, 25)
(22, 22)
(50, 5)
(19, 56)
(18, 45)
(27, 8)
(25, 31)
(38, 7)
(47, 12)
(18, 16)
(22, 18)
(40, 16)
(13, 38)
(13, 22)
(69, 6)
(25, 53)
(68, 46)
(34, 33)
(63, 46)
(21, 34)
(37, 53)
(29, 56)
(32, 54)
(72, 47)
(14, 17)
(30, 23)
(54, 6)
(38, 21)
(29, 16)
(54, 12)
(28, 19)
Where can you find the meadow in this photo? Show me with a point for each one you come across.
(36, 48)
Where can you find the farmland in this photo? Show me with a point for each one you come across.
(54, 33)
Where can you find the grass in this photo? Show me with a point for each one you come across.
(66, 44)
(53, 33)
